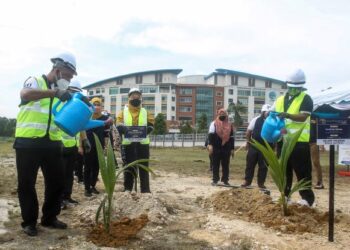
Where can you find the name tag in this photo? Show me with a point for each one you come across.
(136, 133)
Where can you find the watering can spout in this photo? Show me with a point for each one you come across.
(94, 124)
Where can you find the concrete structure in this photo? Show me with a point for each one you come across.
(186, 98)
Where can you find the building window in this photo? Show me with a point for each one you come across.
(234, 80)
(148, 98)
(138, 79)
(185, 119)
(102, 90)
(185, 91)
(113, 91)
(259, 101)
(124, 90)
(219, 103)
(242, 101)
(173, 118)
(149, 108)
(119, 81)
(125, 99)
(172, 108)
(173, 98)
(268, 84)
(251, 82)
(185, 99)
(159, 77)
(243, 92)
(258, 93)
(284, 86)
(185, 109)
(164, 108)
(91, 92)
(113, 99)
(149, 89)
(230, 100)
(164, 98)
(218, 93)
(98, 91)
(230, 91)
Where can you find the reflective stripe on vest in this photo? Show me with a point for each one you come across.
(69, 141)
(294, 108)
(33, 118)
(141, 122)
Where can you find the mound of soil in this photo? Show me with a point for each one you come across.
(254, 206)
(120, 232)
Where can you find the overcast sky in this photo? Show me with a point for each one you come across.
(110, 38)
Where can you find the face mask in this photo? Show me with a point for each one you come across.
(293, 91)
(62, 83)
(222, 118)
(135, 102)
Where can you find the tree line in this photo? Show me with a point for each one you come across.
(7, 127)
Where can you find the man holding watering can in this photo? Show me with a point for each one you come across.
(38, 144)
(296, 107)
(134, 124)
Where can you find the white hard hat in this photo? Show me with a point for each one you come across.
(75, 85)
(265, 107)
(134, 90)
(296, 79)
(65, 59)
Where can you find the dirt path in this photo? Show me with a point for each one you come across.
(180, 214)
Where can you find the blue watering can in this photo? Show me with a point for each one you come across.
(75, 115)
(272, 128)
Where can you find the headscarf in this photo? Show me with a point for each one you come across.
(223, 128)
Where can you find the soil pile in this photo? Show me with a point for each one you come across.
(254, 206)
(120, 232)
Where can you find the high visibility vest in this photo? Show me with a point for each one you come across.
(294, 108)
(141, 122)
(70, 141)
(35, 118)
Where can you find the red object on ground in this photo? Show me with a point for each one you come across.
(344, 173)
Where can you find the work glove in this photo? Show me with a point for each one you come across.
(86, 145)
(63, 95)
(121, 129)
(149, 129)
(283, 115)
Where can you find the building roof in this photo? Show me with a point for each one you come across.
(234, 72)
(95, 84)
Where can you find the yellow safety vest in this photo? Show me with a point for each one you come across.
(141, 122)
(70, 141)
(294, 108)
(33, 119)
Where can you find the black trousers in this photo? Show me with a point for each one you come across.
(78, 168)
(132, 152)
(300, 162)
(28, 162)
(91, 169)
(69, 162)
(254, 157)
(223, 157)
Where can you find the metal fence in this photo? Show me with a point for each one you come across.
(188, 140)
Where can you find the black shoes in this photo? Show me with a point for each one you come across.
(30, 230)
(245, 184)
(214, 183)
(262, 186)
(94, 190)
(319, 186)
(226, 183)
(71, 201)
(88, 193)
(57, 224)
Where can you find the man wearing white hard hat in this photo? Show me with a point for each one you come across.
(137, 116)
(254, 156)
(38, 143)
(296, 107)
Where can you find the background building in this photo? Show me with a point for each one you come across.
(186, 98)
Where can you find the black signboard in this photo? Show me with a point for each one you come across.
(335, 131)
(136, 133)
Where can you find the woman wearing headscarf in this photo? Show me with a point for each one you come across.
(221, 146)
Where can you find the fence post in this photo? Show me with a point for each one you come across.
(172, 141)
(182, 140)
(155, 141)
(163, 140)
(193, 138)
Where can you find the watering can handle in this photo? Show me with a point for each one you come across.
(54, 109)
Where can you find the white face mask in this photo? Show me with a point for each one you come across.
(62, 83)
